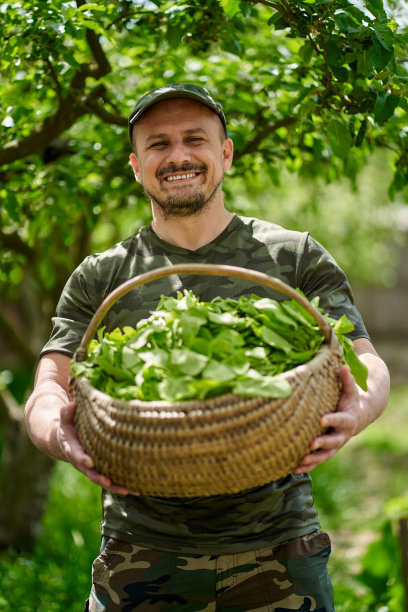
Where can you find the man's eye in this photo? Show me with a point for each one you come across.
(159, 143)
(195, 139)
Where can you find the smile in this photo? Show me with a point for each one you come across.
(181, 177)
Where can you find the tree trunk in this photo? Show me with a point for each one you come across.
(24, 480)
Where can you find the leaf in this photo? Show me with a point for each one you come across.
(130, 358)
(343, 326)
(357, 367)
(385, 106)
(223, 318)
(208, 387)
(11, 206)
(364, 63)
(339, 138)
(231, 337)
(274, 339)
(385, 36)
(272, 386)
(156, 357)
(306, 52)
(231, 7)
(361, 132)
(191, 324)
(188, 362)
(200, 345)
(92, 6)
(376, 7)
(380, 56)
(346, 22)
(238, 362)
(174, 35)
(258, 352)
(174, 389)
(274, 311)
(218, 371)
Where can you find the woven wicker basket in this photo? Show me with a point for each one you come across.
(221, 445)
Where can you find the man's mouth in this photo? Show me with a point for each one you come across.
(180, 177)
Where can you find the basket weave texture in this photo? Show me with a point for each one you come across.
(221, 445)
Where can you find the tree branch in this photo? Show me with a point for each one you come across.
(273, 5)
(68, 112)
(105, 115)
(54, 77)
(16, 341)
(10, 411)
(253, 145)
(95, 46)
(70, 108)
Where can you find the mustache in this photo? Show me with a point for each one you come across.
(186, 167)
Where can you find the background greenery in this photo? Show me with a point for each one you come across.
(315, 93)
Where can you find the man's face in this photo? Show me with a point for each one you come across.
(181, 156)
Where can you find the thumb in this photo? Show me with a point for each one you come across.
(347, 380)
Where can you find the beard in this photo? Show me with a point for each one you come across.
(185, 203)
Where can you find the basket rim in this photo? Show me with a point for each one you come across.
(200, 269)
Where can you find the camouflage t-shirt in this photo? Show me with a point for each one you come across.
(221, 524)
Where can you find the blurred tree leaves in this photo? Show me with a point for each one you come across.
(312, 87)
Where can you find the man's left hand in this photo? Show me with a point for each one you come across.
(342, 425)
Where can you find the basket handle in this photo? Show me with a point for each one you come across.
(200, 269)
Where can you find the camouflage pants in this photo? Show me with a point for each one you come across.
(281, 578)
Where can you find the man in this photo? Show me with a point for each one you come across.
(257, 550)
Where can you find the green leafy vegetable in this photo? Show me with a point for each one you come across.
(188, 349)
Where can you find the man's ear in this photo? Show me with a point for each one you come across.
(227, 153)
(135, 166)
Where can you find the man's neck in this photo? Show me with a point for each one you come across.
(192, 232)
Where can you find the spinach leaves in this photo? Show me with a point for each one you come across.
(188, 349)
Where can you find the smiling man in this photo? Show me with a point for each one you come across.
(181, 152)
(261, 549)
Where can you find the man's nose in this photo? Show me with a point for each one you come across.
(178, 153)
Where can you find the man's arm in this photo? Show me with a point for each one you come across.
(356, 408)
(49, 415)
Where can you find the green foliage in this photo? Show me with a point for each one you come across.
(356, 224)
(56, 576)
(309, 88)
(367, 577)
(381, 572)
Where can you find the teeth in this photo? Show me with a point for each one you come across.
(181, 177)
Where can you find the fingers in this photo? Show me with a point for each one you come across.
(311, 461)
(77, 456)
(70, 444)
(341, 425)
(106, 483)
(344, 421)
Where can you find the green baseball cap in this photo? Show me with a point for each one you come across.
(177, 90)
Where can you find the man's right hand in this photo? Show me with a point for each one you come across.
(49, 415)
(76, 455)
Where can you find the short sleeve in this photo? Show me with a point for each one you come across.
(320, 275)
(75, 309)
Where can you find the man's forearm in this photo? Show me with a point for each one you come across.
(375, 399)
(42, 414)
